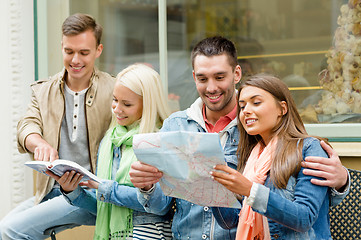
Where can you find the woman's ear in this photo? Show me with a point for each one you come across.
(284, 107)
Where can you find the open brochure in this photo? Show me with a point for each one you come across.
(60, 166)
(186, 158)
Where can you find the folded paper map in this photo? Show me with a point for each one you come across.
(186, 159)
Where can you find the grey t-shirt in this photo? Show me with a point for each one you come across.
(73, 134)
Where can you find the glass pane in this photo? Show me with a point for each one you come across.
(293, 39)
(130, 31)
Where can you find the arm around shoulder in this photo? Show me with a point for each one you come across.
(338, 195)
(330, 169)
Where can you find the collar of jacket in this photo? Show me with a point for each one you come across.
(194, 112)
(92, 89)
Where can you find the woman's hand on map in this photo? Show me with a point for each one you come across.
(232, 180)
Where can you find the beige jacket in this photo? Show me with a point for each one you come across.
(46, 112)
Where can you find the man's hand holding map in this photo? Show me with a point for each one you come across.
(186, 158)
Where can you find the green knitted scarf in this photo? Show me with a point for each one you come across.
(115, 222)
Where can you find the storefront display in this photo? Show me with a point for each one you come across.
(341, 80)
(295, 40)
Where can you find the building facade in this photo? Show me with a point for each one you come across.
(314, 46)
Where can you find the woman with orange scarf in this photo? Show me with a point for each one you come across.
(278, 200)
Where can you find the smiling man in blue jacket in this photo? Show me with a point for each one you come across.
(216, 72)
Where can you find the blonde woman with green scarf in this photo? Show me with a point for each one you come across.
(139, 106)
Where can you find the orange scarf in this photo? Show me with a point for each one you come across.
(250, 225)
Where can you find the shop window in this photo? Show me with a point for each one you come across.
(313, 46)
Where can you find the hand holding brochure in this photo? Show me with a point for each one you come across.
(60, 166)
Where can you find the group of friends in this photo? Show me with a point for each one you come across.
(285, 179)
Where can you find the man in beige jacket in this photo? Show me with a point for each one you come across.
(67, 118)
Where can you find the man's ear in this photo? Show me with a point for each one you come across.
(99, 50)
(237, 74)
(194, 75)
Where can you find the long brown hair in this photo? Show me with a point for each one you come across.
(290, 131)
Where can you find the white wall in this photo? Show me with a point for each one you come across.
(17, 72)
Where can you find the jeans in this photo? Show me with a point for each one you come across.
(29, 221)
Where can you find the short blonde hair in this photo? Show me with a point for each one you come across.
(145, 81)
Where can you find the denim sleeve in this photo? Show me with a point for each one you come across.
(167, 126)
(111, 192)
(82, 198)
(227, 218)
(155, 201)
(300, 213)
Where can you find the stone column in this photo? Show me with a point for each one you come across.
(17, 72)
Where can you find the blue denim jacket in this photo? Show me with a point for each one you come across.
(111, 192)
(192, 221)
(298, 212)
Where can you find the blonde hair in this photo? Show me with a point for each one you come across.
(145, 82)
